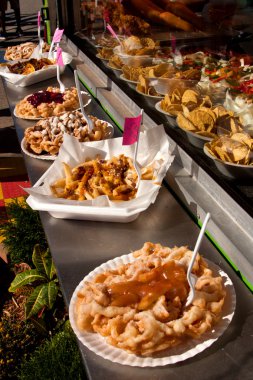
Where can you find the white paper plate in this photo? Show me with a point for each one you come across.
(159, 108)
(33, 155)
(122, 76)
(113, 68)
(149, 96)
(98, 345)
(86, 100)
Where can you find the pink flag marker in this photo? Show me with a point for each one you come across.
(113, 33)
(39, 19)
(131, 130)
(59, 57)
(57, 35)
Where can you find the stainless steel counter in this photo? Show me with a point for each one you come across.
(79, 246)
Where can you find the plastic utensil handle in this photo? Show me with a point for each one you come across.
(199, 240)
(81, 100)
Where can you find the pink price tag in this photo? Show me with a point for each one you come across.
(59, 57)
(131, 130)
(39, 19)
(58, 35)
(112, 31)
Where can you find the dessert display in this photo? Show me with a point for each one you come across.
(140, 307)
(46, 136)
(115, 177)
(235, 148)
(28, 67)
(23, 51)
(47, 103)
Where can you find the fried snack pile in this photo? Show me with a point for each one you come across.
(22, 51)
(28, 67)
(145, 87)
(179, 98)
(115, 62)
(47, 103)
(139, 46)
(161, 70)
(140, 307)
(115, 177)
(46, 136)
(209, 122)
(108, 41)
(236, 148)
(105, 52)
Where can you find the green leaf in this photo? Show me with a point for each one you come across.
(40, 325)
(52, 292)
(36, 301)
(43, 261)
(25, 278)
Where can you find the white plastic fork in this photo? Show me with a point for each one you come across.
(88, 120)
(190, 277)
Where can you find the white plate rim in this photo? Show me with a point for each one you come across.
(158, 108)
(149, 96)
(122, 76)
(47, 157)
(98, 345)
(113, 68)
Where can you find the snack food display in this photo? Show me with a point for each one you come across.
(139, 306)
(105, 53)
(138, 46)
(46, 136)
(23, 51)
(162, 70)
(209, 121)
(179, 97)
(27, 67)
(47, 103)
(115, 62)
(146, 88)
(116, 178)
(235, 148)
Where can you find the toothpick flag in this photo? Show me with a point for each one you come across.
(57, 35)
(59, 57)
(113, 33)
(131, 129)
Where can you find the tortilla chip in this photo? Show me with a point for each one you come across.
(185, 123)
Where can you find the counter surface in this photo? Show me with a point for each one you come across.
(79, 246)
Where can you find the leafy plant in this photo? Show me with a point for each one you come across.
(43, 280)
(21, 231)
(57, 359)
